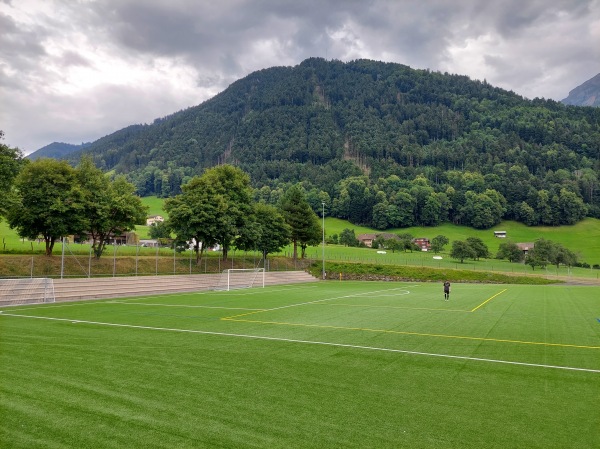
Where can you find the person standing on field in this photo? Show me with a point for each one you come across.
(446, 290)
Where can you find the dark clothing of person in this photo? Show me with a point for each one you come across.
(446, 290)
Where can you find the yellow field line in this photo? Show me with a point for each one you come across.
(397, 307)
(488, 300)
(419, 334)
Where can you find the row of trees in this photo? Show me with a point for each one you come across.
(544, 252)
(217, 208)
(461, 197)
(51, 199)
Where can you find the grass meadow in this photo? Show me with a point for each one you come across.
(329, 364)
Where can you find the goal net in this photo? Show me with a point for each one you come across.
(235, 278)
(26, 291)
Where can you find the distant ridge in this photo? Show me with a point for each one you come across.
(587, 94)
(57, 150)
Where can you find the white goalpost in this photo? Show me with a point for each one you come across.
(26, 291)
(235, 278)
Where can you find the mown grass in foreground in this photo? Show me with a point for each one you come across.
(71, 383)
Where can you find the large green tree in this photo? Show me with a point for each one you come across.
(193, 215)
(231, 187)
(212, 208)
(49, 202)
(111, 207)
(303, 222)
(266, 232)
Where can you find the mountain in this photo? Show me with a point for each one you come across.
(588, 94)
(381, 143)
(57, 150)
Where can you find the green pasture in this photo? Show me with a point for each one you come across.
(331, 364)
(155, 205)
(582, 238)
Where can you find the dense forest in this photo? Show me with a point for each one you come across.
(381, 144)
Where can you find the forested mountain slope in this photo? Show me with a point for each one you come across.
(382, 144)
(56, 150)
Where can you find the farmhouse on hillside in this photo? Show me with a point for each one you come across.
(422, 243)
(525, 247)
(367, 239)
(152, 219)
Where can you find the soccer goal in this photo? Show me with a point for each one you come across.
(26, 291)
(234, 278)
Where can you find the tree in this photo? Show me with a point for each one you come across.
(159, 230)
(544, 251)
(303, 222)
(572, 208)
(312, 236)
(111, 208)
(406, 242)
(564, 256)
(332, 239)
(193, 214)
(533, 261)
(348, 238)
(480, 248)
(229, 188)
(438, 243)
(267, 231)
(379, 242)
(381, 219)
(483, 210)
(527, 214)
(11, 162)
(49, 202)
(461, 250)
(212, 208)
(393, 244)
(510, 251)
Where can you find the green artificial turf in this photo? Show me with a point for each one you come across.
(332, 364)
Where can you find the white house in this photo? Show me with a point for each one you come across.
(154, 219)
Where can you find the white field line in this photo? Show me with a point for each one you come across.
(403, 290)
(172, 295)
(309, 342)
(182, 306)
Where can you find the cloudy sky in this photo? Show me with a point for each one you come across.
(76, 70)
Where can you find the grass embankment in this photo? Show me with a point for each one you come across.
(372, 272)
(84, 266)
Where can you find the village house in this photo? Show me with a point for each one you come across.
(525, 247)
(367, 239)
(422, 243)
(152, 219)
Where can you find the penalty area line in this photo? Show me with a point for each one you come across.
(488, 300)
(320, 343)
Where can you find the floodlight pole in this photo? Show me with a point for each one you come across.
(62, 259)
(323, 203)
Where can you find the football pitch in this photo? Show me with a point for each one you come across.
(320, 365)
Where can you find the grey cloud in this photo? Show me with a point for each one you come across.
(534, 47)
(20, 48)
